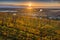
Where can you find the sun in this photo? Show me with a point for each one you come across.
(30, 5)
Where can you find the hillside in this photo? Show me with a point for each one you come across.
(26, 27)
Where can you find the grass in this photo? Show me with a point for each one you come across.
(28, 28)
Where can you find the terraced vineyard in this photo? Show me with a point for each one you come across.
(28, 28)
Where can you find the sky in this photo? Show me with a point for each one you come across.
(30, 0)
(33, 2)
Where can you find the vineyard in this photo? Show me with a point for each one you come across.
(28, 28)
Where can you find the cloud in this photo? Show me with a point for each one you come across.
(33, 3)
(30, 0)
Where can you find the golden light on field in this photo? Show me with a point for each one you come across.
(41, 10)
(29, 8)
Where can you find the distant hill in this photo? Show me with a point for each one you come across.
(47, 12)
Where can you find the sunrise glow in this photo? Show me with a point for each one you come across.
(30, 5)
